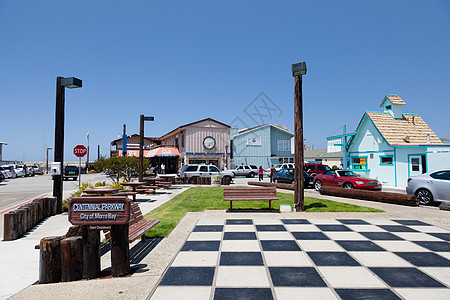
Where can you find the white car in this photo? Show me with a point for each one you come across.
(20, 172)
(7, 172)
(11, 169)
(193, 171)
(284, 166)
(431, 186)
(245, 170)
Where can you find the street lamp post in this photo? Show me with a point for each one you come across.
(226, 156)
(298, 70)
(61, 83)
(46, 159)
(141, 145)
(87, 158)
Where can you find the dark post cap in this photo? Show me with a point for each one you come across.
(299, 69)
(71, 82)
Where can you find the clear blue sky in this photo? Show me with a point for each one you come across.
(182, 61)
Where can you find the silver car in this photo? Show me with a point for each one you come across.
(431, 186)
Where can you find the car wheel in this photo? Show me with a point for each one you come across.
(425, 196)
(252, 174)
(318, 185)
(348, 185)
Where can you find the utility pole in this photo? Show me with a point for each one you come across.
(141, 145)
(46, 160)
(297, 71)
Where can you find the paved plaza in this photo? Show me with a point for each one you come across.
(298, 258)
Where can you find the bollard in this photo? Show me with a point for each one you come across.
(53, 205)
(50, 260)
(27, 217)
(35, 213)
(91, 253)
(71, 259)
(21, 224)
(10, 229)
(40, 204)
(46, 207)
(120, 250)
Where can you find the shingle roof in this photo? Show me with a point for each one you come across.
(411, 129)
(394, 99)
(275, 125)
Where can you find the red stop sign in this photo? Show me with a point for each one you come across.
(79, 150)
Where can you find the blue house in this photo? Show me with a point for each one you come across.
(392, 146)
(262, 145)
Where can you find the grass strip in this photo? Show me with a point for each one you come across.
(202, 198)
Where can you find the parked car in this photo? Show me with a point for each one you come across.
(284, 166)
(245, 170)
(6, 172)
(346, 179)
(315, 169)
(287, 176)
(70, 172)
(431, 186)
(2, 177)
(19, 171)
(36, 170)
(11, 169)
(189, 171)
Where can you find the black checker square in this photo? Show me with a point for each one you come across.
(311, 235)
(241, 259)
(412, 223)
(424, 259)
(332, 259)
(208, 228)
(280, 246)
(353, 222)
(202, 276)
(239, 222)
(201, 246)
(296, 276)
(239, 236)
(243, 293)
(441, 235)
(333, 228)
(406, 277)
(360, 246)
(436, 246)
(270, 228)
(295, 221)
(372, 294)
(381, 236)
(397, 228)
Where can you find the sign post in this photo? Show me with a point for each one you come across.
(79, 151)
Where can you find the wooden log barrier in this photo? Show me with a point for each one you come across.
(22, 221)
(393, 198)
(46, 207)
(40, 203)
(91, 253)
(34, 212)
(50, 260)
(10, 229)
(53, 205)
(120, 250)
(71, 259)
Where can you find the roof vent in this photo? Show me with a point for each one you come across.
(428, 138)
(407, 139)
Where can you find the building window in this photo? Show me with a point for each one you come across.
(386, 160)
(388, 107)
(359, 163)
(284, 145)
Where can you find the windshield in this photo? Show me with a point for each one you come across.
(347, 173)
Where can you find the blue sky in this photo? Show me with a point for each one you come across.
(182, 61)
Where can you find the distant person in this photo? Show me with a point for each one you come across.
(163, 168)
(272, 173)
(261, 173)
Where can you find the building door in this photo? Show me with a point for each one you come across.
(415, 165)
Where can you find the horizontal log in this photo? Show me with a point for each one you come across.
(444, 206)
(393, 198)
(285, 186)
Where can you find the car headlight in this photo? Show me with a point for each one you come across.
(360, 182)
(379, 183)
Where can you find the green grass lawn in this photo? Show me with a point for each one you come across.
(201, 198)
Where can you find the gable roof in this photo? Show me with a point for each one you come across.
(193, 123)
(409, 130)
(281, 127)
(395, 99)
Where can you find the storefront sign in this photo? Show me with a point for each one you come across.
(99, 211)
(334, 145)
(254, 141)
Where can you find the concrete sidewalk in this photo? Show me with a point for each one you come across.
(19, 261)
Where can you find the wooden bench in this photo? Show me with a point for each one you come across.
(138, 226)
(127, 193)
(250, 194)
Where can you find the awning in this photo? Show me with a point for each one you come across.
(163, 152)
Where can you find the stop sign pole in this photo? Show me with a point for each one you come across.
(79, 151)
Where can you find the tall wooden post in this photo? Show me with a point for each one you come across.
(298, 173)
(59, 143)
(120, 250)
(141, 149)
(91, 253)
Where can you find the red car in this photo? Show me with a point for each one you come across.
(315, 169)
(346, 179)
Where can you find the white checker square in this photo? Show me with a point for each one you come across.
(262, 221)
(365, 228)
(238, 228)
(289, 293)
(401, 246)
(350, 277)
(287, 259)
(440, 274)
(416, 236)
(319, 245)
(211, 221)
(182, 292)
(240, 246)
(429, 229)
(301, 227)
(345, 236)
(275, 235)
(205, 236)
(379, 259)
(196, 259)
(237, 276)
